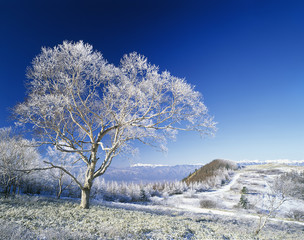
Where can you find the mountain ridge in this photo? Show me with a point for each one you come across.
(145, 172)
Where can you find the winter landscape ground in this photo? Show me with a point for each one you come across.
(213, 214)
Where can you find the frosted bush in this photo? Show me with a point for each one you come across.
(131, 192)
(296, 214)
(207, 203)
(190, 194)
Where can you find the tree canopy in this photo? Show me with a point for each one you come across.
(80, 103)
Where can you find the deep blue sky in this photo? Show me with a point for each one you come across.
(246, 57)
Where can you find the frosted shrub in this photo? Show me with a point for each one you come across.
(143, 196)
(199, 186)
(190, 194)
(296, 188)
(175, 188)
(208, 203)
(132, 192)
(16, 155)
(296, 214)
(244, 202)
(122, 192)
(244, 190)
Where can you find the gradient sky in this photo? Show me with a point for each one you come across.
(245, 57)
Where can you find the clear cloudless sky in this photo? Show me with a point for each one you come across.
(246, 57)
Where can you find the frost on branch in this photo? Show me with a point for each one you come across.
(80, 103)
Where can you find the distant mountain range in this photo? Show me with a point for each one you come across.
(149, 173)
(146, 173)
(276, 161)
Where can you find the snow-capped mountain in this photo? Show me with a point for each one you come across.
(149, 173)
(275, 161)
(142, 172)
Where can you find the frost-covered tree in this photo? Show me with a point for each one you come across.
(81, 104)
(65, 160)
(279, 192)
(15, 155)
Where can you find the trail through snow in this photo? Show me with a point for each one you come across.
(224, 188)
(193, 204)
(183, 204)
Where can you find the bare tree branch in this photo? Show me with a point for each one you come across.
(67, 172)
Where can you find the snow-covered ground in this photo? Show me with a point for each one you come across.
(191, 215)
(225, 199)
(256, 179)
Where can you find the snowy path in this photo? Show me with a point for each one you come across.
(185, 205)
(193, 204)
(185, 209)
(224, 188)
(231, 183)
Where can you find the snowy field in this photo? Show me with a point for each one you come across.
(191, 215)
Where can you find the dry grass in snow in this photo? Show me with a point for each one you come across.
(42, 218)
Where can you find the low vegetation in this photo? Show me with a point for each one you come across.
(208, 203)
(54, 182)
(42, 218)
(247, 203)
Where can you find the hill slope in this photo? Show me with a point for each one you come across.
(210, 170)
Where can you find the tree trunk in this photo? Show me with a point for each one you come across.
(14, 189)
(59, 192)
(6, 192)
(85, 191)
(85, 198)
(59, 188)
(9, 189)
